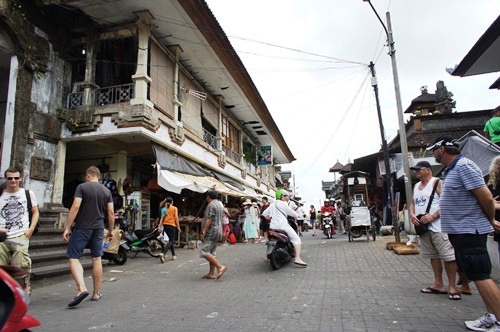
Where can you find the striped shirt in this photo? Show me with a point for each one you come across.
(461, 212)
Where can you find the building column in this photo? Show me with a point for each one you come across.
(88, 84)
(141, 78)
(218, 136)
(121, 170)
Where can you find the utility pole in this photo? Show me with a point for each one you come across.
(402, 129)
(388, 172)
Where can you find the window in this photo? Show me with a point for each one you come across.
(230, 135)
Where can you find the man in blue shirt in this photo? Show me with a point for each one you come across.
(468, 226)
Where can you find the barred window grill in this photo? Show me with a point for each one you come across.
(210, 139)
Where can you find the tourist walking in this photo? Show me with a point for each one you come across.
(92, 205)
(312, 219)
(250, 222)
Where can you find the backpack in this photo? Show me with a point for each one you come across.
(231, 238)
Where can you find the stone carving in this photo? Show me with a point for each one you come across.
(40, 169)
(177, 134)
(244, 173)
(222, 160)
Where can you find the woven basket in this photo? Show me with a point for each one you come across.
(392, 245)
(406, 250)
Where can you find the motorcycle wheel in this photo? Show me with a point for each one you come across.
(120, 257)
(275, 260)
(155, 247)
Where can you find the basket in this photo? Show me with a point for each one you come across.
(392, 245)
(406, 250)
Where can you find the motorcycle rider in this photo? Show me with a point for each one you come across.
(278, 212)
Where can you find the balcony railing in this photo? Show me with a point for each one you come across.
(104, 96)
(210, 139)
(231, 154)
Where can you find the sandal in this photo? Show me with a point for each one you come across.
(454, 296)
(174, 258)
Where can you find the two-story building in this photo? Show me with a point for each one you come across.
(145, 90)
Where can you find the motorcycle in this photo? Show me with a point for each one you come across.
(13, 304)
(143, 240)
(139, 240)
(328, 226)
(279, 248)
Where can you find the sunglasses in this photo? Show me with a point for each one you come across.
(10, 178)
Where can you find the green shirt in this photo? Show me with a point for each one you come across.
(492, 127)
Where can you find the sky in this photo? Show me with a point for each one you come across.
(309, 60)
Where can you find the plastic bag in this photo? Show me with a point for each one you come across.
(163, 237)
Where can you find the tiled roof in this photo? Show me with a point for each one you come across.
(337, 167)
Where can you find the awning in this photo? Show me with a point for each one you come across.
(175, 181)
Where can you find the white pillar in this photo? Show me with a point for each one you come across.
(141, 78)
(8, 132)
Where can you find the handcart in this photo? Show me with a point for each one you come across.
(360, 223)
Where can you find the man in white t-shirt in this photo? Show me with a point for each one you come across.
(14, 220)
(435, 245)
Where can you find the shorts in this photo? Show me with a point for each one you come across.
(82, 238)
(208, 247)
(312, 221)
(437, 245)
(300, 222)
(264, 225)
(225, 230)
(472, 256)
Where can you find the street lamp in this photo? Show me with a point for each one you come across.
(402, 129)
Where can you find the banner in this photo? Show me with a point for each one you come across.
(264, 156)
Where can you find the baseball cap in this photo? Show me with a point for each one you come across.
(443, 141)
(420, 165)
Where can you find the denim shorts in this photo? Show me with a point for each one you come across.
(471, 255)
(82, 238)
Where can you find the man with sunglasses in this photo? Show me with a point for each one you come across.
(14, 220)
(468, 216)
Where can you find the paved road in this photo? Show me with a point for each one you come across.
(356, 286)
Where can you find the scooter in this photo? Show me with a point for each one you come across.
(13, 306)
(279, 248)
(328, 226)
(143, 240)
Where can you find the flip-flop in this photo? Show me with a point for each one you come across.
(430, 290)
(208, 276)
(221, 272)
(454, 296)
(464, 292)
(99, 296)
(78, 299)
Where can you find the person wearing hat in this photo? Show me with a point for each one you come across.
(435, 245)
(250, 222)
(468, 216)
(492, 127)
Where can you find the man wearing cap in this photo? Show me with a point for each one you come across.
(435, 245)
(468, 216)
(492, 127)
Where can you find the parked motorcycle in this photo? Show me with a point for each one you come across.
(13, 305)
(328, 226)
(143, 240)
(279, 248)
(139, 240)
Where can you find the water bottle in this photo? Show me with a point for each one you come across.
(105, 245)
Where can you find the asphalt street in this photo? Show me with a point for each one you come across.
(348, 286)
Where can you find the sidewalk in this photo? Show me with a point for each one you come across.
(348, 286)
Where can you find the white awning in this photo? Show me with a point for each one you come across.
(175, 182)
